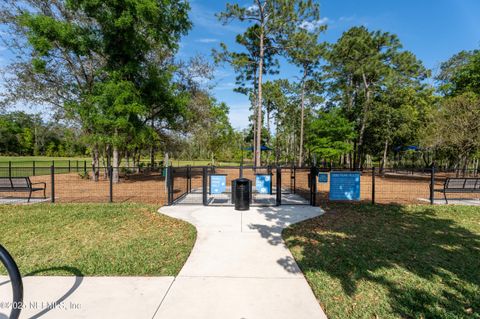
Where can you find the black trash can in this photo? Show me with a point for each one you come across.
(241, 194)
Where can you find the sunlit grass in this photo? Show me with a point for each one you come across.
(95, 239)
(366, 261)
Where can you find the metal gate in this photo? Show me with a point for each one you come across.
(210, 185)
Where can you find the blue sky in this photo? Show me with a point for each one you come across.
(432, 29)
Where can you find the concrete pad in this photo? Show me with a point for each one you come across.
(240, 266)
(454, 201)
(240, 255)
(236, 298)
(22, 201)
(88, 297)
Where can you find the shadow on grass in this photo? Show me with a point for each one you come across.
(358, 243)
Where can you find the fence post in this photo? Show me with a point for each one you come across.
(432, 184)
(110, 178)
(9, 169)
(204, 186)
(294, 180)
(240, 172)
(373, 185)
(313, 186)
(279, 186)
(52, 181)
(170, 187)
(69, 166)
(85, 167)
(33, 168)
(189, 179)
(77, 166)
(269, 172)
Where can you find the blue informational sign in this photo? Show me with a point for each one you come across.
(323, 178)
(345, 186)
(263, 183)
(218, 184)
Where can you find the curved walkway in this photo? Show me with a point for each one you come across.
(240, 266)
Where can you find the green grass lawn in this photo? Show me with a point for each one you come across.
(366, 261)
(44, 161)
(95, 239)
(40, 161)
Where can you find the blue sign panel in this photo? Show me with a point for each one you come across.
(263, 183)
(345, 186)
(218, 184)
(323, 178)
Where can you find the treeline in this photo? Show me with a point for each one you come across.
(27, 135)
(110, 68)
(363, 100)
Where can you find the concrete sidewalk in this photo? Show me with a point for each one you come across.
(240, 267)
(87, 297)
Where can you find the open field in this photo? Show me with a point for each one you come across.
(26, 161)
(392, 261)
(95, 239)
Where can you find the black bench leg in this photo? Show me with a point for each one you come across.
(29, 196)
(44, 194)
(445, 195)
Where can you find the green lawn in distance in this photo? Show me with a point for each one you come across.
(366, 261)
(44, 161)
(95, 239)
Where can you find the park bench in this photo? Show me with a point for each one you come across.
(21, 184)
(459, 185)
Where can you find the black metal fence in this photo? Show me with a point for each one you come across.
(193, 184)
(400, 186)
(89, 184)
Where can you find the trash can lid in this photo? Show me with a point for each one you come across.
(242, 180)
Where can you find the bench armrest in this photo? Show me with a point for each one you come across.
(44, 184)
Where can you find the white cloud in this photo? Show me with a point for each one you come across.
(205, 19)
(226, 86)
(312, 25)
(207, 40)
(252, 8)
(239, 114)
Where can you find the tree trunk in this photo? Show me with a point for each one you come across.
(254, 120)
(302, 119)
(363, 122)
(95, 163)
(152, 147)
(268, 124)
(115, 164)
(384, 160)
(259, 102)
